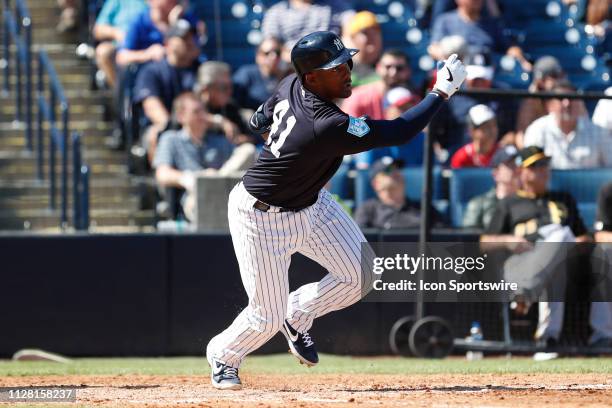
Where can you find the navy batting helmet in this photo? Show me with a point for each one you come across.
(320, 50)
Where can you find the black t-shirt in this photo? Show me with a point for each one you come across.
(520, 215)
(164, 81)
(373, 213)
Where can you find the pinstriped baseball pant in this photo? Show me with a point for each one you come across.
(264, 243)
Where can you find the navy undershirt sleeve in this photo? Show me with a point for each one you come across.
(409, 124)
(339, 140)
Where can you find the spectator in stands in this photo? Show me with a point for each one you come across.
(254, 83)
(480, 209)
(450, 129)
(439, 7)
(182, 154)
(568, 135)
(536, 226)
(483, 34)
(393, 68)
(397, 101)
(111, 25)
(547, 71)
(602, 263)
(144, 39)
(482, 126)
(364, 33)
(158, 83)
(601, 115)
(214, 86)
(69, 17)
(373, 100)
(390, 208)
(290, 20)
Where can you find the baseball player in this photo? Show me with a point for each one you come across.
(280, 207)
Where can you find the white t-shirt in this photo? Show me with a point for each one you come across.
(587, 146)
(602, 116)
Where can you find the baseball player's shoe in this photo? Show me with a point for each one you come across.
(223, 376)
(301, 345)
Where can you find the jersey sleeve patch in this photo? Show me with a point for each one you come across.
(358, 126)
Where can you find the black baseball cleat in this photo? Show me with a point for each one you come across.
(301, 345)
(223, 376)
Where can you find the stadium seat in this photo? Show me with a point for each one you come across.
(584, 186)
(208, 9)
(588, 212)
(464, 185)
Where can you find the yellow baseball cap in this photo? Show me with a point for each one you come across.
(361, 21)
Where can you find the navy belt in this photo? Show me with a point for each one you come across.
(261, 206)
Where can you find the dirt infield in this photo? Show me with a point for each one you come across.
(537, 390)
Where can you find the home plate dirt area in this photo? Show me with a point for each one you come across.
(335, 390)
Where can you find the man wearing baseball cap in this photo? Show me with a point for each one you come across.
(547, 71)
(482, 127)
(159, 82)
(363, 32)
(536, 225)
(480, 209)
(451, 127)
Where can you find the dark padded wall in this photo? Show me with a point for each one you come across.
(151, 295)
(84, 295)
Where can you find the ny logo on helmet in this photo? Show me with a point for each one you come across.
(338, 44)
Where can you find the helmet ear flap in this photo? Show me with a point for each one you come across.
(350, 64)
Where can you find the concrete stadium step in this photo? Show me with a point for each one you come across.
(12, 145)
(75, 108)
(90, 156)
(94, 131)
(22, 170)
(25, 220)
(42, 203)
(78, 125)
(14, 188)
(69, 81)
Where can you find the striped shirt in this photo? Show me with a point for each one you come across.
(289, 23)
(178, 150)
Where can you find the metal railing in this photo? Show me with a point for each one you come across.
(18, 31)
(58, 140)
(50, 100)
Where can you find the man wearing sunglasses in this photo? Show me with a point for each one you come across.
(280, 207)
(254, 83)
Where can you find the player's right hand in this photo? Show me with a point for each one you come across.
(451, 75)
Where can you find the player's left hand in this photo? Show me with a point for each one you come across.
(450, 76)
(259, 123)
